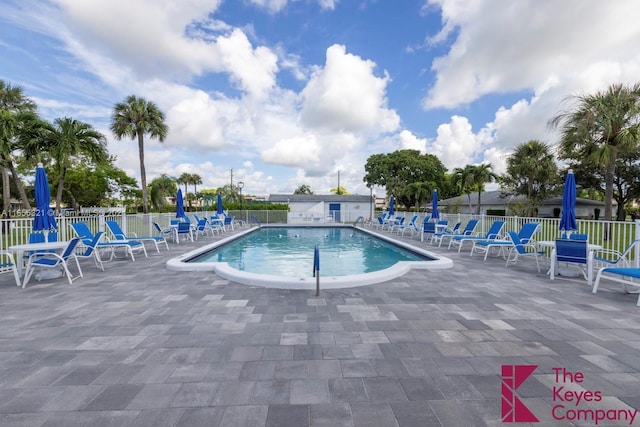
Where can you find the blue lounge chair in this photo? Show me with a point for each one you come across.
(492, 234)
(521, 248)
(614, 258)
(410, 226)
(118, 234)
(524, 237)
(53, 260)
(448, 234)
(628, 276)
(203, 227)
(91, 250)
(83, 231)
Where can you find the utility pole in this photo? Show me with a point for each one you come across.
(338, 192)
(231, 180)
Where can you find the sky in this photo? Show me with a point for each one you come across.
(280, 93)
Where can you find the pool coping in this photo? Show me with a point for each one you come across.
(223, 269)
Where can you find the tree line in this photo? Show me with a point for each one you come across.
(599, 139)
(73, 152)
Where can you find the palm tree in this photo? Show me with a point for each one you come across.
(195, 180)
(531, 168)
(17, 115)
(134, 118)
(480, 175)
(602, 127)
(419, 191)
(185, 179)
(463, 180)
(69, 138)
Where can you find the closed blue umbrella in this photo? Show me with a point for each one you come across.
(220, 210)
(392, 206)
(434, 205)
(179, 205)
(568, 217)
(44, 220)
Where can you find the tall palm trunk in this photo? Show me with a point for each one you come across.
(478, 208)
(63, 173)
(608, 189)
(19, 186)
(6, 191)
(143, 173)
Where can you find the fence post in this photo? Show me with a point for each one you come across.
(637, 248)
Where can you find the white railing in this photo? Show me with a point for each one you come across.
(609, 234)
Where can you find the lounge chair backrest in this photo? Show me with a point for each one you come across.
(202, 224)
(494, 230)
(174, 221)
(455, 228)
(471, 225)
(91, 244)
(115, 229)
(575, 251)
(70, 248)
(82, 230)
(429, 227)
(527, 231)
(517, 243)
(184, 227)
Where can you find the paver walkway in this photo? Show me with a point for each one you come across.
(139, 345)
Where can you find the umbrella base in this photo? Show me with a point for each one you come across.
(48, 274)
(568, 272)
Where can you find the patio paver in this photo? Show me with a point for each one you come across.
(141, 345)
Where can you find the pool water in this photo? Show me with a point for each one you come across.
(289, 252)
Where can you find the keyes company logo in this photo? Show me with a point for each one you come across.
(566, 403)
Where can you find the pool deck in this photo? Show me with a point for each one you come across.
(139, 345)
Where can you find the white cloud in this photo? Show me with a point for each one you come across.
(539, 39)
(293, 151)
(455, 145)
(345, 95)
(409, 141)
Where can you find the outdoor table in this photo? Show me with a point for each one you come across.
(19, 250)
(591, 247)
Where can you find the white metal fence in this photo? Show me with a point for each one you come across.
(610, 234)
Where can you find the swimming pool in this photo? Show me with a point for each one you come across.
(282, 257)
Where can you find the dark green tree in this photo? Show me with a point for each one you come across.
(67, 140)
(160, 188)
(601, 128)
(626, 181)
(303, 189)
(18, 119)
(395, 171)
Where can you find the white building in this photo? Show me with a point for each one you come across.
(320, 209)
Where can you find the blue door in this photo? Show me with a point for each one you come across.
(334, 211)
